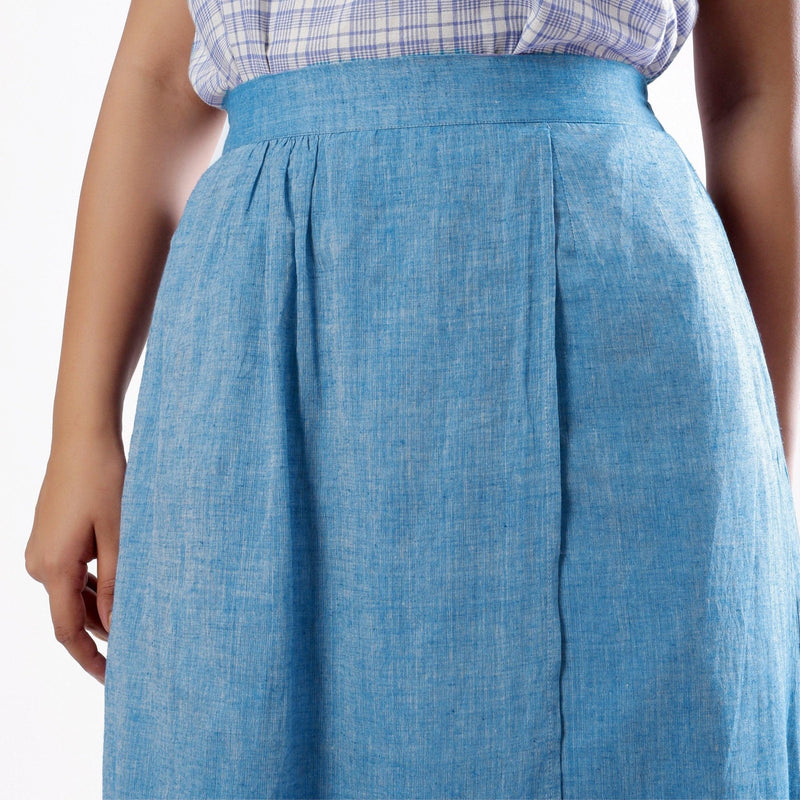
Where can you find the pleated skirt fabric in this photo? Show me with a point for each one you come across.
(455, 469)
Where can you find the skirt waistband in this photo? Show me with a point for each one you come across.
(436, 89)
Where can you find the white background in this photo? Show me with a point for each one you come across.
(55, 59)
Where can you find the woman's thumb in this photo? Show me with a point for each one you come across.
(107, 552)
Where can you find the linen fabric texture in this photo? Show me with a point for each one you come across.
(456, 469)
(235, 41)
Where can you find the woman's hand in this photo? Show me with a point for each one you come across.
(75, 521)
(153, 139)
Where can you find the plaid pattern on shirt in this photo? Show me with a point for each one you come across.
(236, 40)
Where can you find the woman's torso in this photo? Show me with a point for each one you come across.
(236, 40)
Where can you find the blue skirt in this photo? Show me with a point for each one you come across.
(456, 469)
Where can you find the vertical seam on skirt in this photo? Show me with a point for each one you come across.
(552, 222)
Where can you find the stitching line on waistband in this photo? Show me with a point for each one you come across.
(450, 124)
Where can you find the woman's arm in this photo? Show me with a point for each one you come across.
(746, 65)
(153, 139)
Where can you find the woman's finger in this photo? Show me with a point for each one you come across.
(68, 612)
(93, 622)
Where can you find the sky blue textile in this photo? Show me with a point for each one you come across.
(455, 469)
